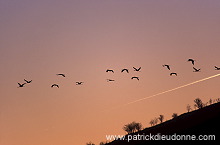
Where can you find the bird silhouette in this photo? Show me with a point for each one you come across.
(166, 65)
(217, 68)
(110, 80)
(27, 81)
(79, 83)
(135, 69)
(109, 70)
(21, 85)
(192, 60)
(55, 85)
(135, 78)
(196, 70)
(63, 75)
(173, 74)
(125, 70)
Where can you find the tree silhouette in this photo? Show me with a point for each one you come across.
(138, 126)
(152, 122)
(188, 108)
(103, 143)
(128, 128)
(155, 121)
(90, 143)
(161, 118)
(198, 103)
(132, 127)
(210, 101)
(174, 115)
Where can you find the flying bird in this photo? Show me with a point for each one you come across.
(135, 78)
(63, 75)
(217, 68)
(110, 80)
(55, 85)
(192, 60)
(109, 70)
(79, 83)
(135, 69)
(196, 70)
(27, 81)
(21, 85)
(125, 70)
(173, 74)
(166, 65)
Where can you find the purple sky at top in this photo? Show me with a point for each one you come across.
(84, 38)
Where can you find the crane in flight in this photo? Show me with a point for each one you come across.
(63, 75)
(110, 80)
(173, 74)
(79, 83)
(217, 68)
(196, 70)
(110, 70)
(135, 78)
(21, 85)
(166, 65)
(27, 81)
(192, 61)
(125, 70)
(54, 85)
(137, 69)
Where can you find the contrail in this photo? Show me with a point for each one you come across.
(172, 89)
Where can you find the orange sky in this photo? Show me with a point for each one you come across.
(84, 38)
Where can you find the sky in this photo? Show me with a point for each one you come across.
(83, 38)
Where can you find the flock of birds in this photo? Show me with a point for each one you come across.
(124, 70)
(189, 60)
(20, 85)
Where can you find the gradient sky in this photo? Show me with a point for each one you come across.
(83, 38)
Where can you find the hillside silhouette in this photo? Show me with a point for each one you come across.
(204, 121)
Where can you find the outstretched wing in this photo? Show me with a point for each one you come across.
(55, 85)
(124, 70)
(135, 69)
(110, 80)
(191, 61)
(109, 70)
(61, 75)
(196, 69)
(165, 65)
(79, 83)
(135, 78)
(173, 74)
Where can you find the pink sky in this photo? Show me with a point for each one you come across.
(84, 38)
